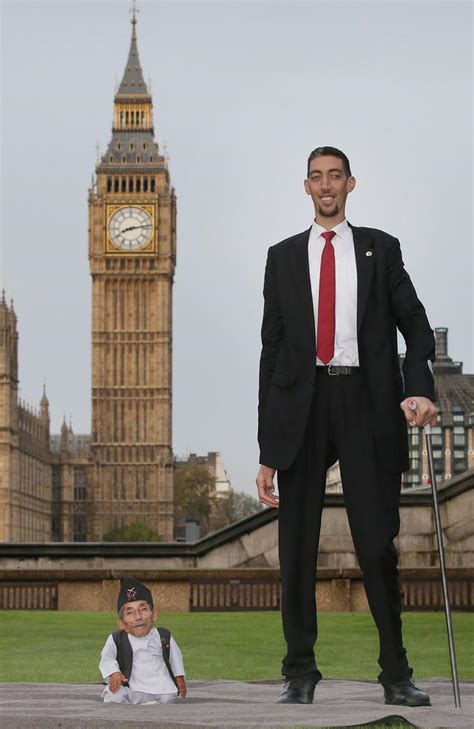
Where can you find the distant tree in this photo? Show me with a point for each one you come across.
(194, 495)
(135, 532)
(236, 505)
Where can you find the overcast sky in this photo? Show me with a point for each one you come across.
(242, 91)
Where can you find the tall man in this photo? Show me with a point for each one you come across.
(331, 388)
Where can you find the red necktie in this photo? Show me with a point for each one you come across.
(327, 301)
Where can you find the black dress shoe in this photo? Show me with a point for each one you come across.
(297, 691)
(405, 693)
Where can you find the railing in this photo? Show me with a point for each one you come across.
(427, 594)
(220, 590)
(29, 596)
(208, 595)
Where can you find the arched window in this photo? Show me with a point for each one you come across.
(124, 184)
(145, 184)
(126, 118)
(152, 184)
(130, 184)
(116, 184)
(121, 122)
(139, 159)
(119, 146)
(151, 159)
(137, 185)
(143, 123)
(111, 159)
(124, 159)
(109, 184)
(144, 145)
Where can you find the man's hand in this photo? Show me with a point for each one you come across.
(425, 411)
(266, 487)
(181, 686)
(115, 681)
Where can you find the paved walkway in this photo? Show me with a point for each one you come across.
(228, 705)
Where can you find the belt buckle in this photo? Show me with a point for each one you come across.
(333, 374)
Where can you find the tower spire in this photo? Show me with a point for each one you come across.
(133, 82)
(134, 10)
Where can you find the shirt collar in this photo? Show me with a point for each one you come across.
(340, 229)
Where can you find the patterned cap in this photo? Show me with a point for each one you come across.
(131, 590)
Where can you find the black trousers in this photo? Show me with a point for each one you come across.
(339, 426)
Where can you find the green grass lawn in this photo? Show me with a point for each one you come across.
(64, 647)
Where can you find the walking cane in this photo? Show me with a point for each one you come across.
(439, 534)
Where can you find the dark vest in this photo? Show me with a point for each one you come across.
(125, 652)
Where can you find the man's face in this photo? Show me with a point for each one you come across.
(137, 618)
(329, 186)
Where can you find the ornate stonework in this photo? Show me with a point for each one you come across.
(132, 256)
(25, 462)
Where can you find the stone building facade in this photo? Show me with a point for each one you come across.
(25, 460)
(453, 436)
(132, 256)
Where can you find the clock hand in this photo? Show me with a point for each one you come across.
(133, 227)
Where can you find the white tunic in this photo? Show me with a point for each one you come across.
(149, 672)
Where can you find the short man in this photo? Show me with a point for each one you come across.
(141, 664)
(331, 388)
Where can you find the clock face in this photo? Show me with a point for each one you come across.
(131, 228)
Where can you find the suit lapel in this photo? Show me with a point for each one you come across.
(300, 268)
(365, 263)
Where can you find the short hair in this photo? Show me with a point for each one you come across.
(122, 609)
(333, 152)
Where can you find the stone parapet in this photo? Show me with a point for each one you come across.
(219, 589)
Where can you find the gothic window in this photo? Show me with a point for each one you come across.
(143, 123)
(109, 184)
(124, 184)
(137, 184)
(144, 145)
(56, 529)
(56, 494)
(130, 184)
(111, 159)
(437, 439)
(459, 449)
(116, 184)
(139, 159)
(151, 159)
(80, 485)
(132, 146)
(126, 118)
(119, 146)
(458, 414)
(124, 159)
(121, 121)
(145, 184)
(152, 184)
(79, 528)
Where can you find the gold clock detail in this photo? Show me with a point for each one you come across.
(130, 228)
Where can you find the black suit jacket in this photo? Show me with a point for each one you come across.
(386, 300)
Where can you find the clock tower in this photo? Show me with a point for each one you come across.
(132, 256)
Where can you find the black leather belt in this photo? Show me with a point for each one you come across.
(336, 370)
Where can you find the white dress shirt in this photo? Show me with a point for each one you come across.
(345, 345)
(149, 672)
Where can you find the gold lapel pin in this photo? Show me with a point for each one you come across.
(368, 253)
